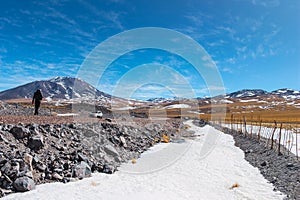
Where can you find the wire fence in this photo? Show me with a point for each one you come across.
(283, 137)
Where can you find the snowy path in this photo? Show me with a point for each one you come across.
(171, 171)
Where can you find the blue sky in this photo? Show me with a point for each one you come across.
(254, 44)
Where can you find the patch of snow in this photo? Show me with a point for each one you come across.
(290, 103)
(248, 100)
(195, 112)
(178, 106)
(58, 103)
(262, 101)
(67, 96)
(67, 114)
(264, 107)
(48, 99)
(226, 101)
(125, 108)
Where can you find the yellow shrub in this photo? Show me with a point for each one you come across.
(165, 139)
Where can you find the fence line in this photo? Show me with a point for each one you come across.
(275, 135)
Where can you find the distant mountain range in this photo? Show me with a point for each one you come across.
(285, 93)
(63, 88)
(56, 88)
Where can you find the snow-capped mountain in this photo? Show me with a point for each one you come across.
(56, 88)
(165, 100)
(287, 93)
(246, 93)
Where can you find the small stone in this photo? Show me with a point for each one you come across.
(36, 142)
(24, 184)
(123, 141)
(4, 191)
(19, 132)
(28, 160)
(111, 150)
(41, 167)
(249, 151)
(263, 164)
(290, 165)
(82, 157)
(56, 176)
(82, 170)
(108, 169)
(2, 138)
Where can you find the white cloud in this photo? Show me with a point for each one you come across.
(231, 60)
(227, 69)
(195, 19)
(112, 16)
(266, 3)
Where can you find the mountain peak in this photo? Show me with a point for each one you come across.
(287, 93)
(246, 93)
(57, 88)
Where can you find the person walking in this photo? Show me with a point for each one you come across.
(36, 100)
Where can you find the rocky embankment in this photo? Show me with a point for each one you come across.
(33, 154)
(283, 171)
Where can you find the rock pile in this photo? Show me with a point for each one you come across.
(34, 154)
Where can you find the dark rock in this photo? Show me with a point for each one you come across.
(111, 150)
(89, 133)
(73, 126)
(82, 170)
(290, 165)
(36, 142)
(108, 169)
(24, 184)
(82, 157)
(19, 132)
(10, 169)
(41, 167)
(263, 164)
(248, 151)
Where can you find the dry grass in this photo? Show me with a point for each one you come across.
(266, 110)
(235, 185)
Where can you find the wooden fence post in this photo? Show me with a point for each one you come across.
(258, 136)
(279, 140)
(245, 125)
(231, 119)
(296, 132)
(272, 138)
(251, 124)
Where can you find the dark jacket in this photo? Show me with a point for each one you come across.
(37, 97)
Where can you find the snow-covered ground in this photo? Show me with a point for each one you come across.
(248, 100)
(289, 138)
(67, 114)
(172, 171)
(178, 106)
